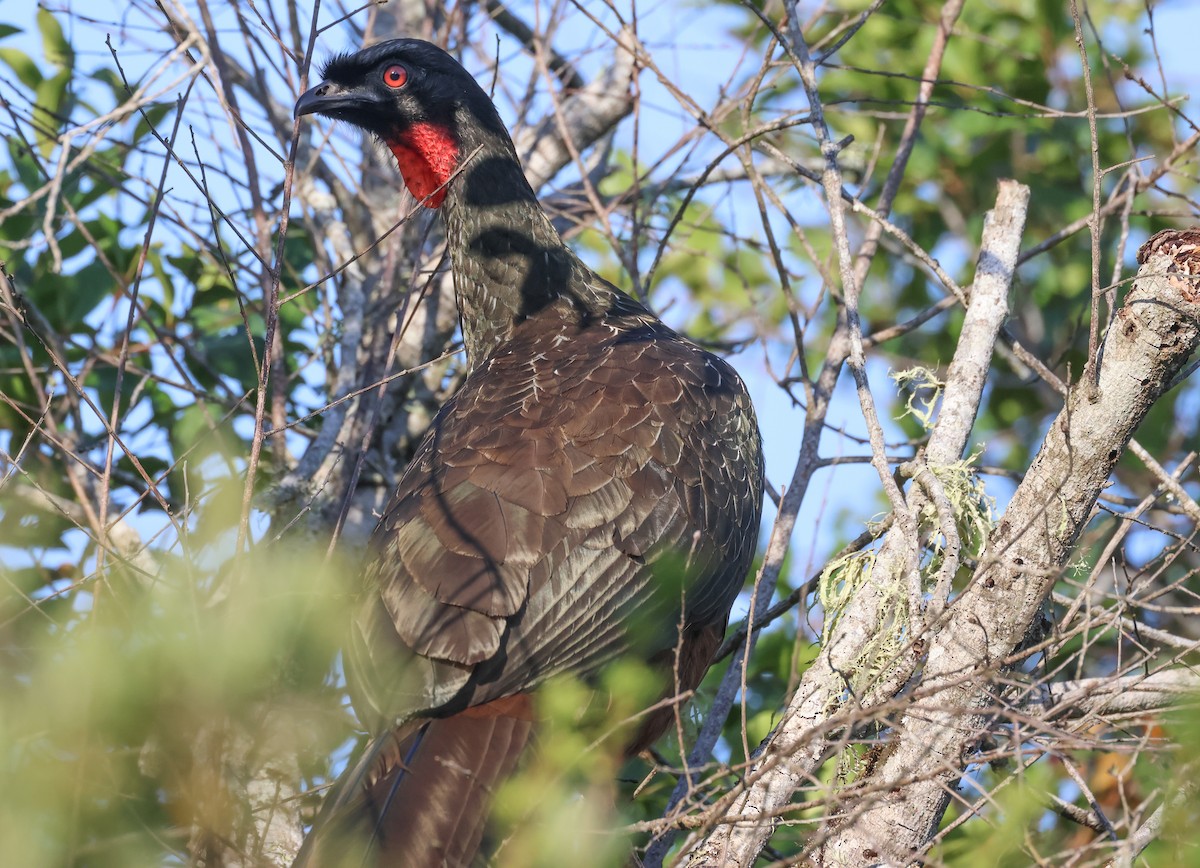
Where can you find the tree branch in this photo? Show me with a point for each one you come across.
(798, 745)
(1153, 336)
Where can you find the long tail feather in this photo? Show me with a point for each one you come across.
(418, 796)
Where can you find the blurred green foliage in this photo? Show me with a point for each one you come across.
(115, 716)
(113, 687)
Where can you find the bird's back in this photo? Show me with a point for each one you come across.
(586, 476)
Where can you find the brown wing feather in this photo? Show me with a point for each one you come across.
(532, 518)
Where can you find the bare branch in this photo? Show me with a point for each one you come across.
(1155, 332)
(798, 745)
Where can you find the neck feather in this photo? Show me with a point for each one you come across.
(509, 261)
(510, 264)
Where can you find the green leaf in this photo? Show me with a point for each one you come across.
(54, 44)
(153, 117)
(68, 299)
(113, 80)
(53, 109)
(229, 354)
(25, 166)
(23, 66)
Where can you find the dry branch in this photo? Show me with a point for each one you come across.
(1154, 334)
(798, 745)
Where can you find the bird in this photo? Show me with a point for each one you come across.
(593, 488)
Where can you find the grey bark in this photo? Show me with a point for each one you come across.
(813, 719)
(1152, 337)
(1130, 694)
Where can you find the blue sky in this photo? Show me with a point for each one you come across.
(691, 43)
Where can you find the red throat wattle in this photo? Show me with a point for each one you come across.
(427, 155)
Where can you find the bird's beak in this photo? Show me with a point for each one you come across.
(328, 98)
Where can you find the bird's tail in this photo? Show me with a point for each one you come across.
(419, 795)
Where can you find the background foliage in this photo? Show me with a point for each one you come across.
(205, 393)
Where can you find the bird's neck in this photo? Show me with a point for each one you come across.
(510, 264)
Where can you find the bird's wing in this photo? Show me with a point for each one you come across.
(567, 497)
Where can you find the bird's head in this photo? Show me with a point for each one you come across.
(418, 101)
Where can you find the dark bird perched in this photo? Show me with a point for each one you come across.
(588, 442)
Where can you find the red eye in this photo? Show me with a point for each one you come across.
(395, 76)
